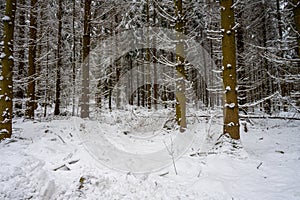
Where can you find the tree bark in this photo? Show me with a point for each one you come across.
(231, 117)
(155, 86)
(181, 74)
(21, 52)
(6, 71)
(85, 65)
(265, 63)
(31, 61)
(296, 11)
(148, 78)
(59, 60)
(74, 59)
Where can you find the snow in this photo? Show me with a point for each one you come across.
(5, 120)
(231, 105)
(51, 160)
(3, 131)
(2, 55)
(228, 88)
(230, 124)
(6, 18)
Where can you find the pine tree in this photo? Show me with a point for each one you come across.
(231, 115)
(59, 60)
(85, 53)
(73, 58)
(21, 41)
(6, 71)
(181, 74)
(296, 10)
(30, 104)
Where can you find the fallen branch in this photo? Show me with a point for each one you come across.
(163, 174)
(60, 138)
(259, 165)
(64, 167)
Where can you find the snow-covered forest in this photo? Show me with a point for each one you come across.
(149, 99)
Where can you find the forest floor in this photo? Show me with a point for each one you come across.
(62, 158)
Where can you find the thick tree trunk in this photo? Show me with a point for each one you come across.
(32, 61)
(59, 60)
(6, 71)
(181, 74)
(85, 65)
(231, 117)
(31, 97)
(21, 41)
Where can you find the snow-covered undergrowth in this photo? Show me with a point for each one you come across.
(51, 160)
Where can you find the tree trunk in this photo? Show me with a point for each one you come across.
(231, 115)
(59, 60)
(280, 85)
(266, 87)
(155, 86)
(138, 90)
(296, 11)
(46, 78)
(85, 58)
(31, 61)
(148, 78)
(6, 71)
(181, 75)
(117, 64)
(21, 52)
(74, 59)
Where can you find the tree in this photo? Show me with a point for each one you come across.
(73, 58)
(6, 71)
(231, 115)
(31, 61)
(59, 60)
(148, 78)
(155, 87)
(180, 59)
(85, 58)
(296, 10)
(20, 29)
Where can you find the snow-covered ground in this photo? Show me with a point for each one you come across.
(59, 159)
